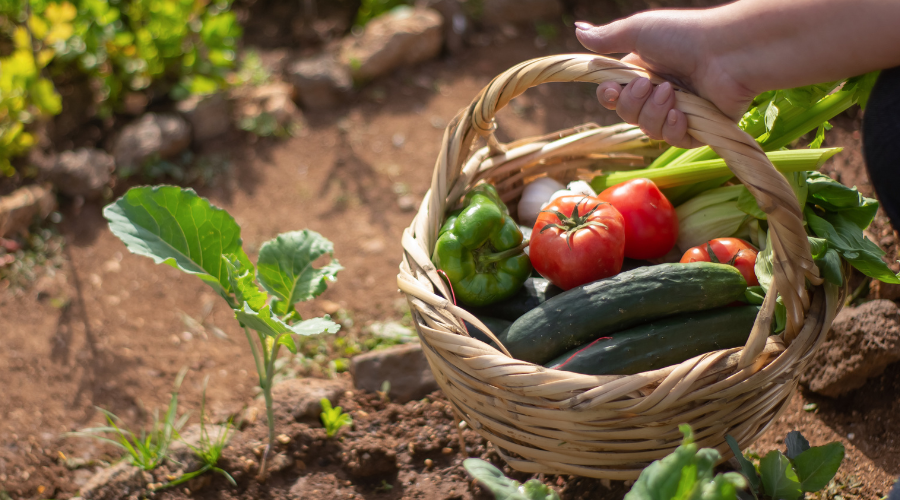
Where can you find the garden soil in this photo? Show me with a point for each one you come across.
(111, 330)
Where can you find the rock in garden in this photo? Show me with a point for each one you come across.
(404, 367)
(209, 116)
(274, 99)
(122, 480)
(497, 12)
(300, 398)
(20, 208)
(82, 172)
(321, 486)
(152, 135)
(402, 37)
(321, 82)
(862, 342)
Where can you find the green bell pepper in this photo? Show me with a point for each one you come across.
(481, 250)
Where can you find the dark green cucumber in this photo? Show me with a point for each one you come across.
(609, 305)
(661, 343)
(496, 325)
(534, 292)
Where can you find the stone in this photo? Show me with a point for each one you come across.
(403, 366)
(321, 486)
(275, 99)
(402, 37)
(152, 135)
(498, 12)
(82, 172)
(122, 480)
(321, 82)
(19, 208)
(209, 116)
(300, 398)
(862, 342)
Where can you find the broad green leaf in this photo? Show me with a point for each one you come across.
(830, 267)
(847, 238)
(285, 267)
(662, 479)
(243, 283)
(264, 322)
(818, 247)
(747, 468)
(747, 204)
(501, 486)
(778, 477)
(833, 196)
(818, 465)
(315, 326)
(796, 444)
(723, 487)
(174, 226)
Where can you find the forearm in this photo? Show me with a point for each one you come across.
(771, 44)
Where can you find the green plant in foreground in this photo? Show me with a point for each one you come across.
(150, 449)
(333, 418)
(786, 476)
(688, 474)
(208, 449)
(505, 488)
(174, 226)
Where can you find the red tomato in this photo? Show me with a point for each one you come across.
(581, 247)
(733, 251)
(651, 225)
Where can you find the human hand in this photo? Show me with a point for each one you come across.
(676, 45)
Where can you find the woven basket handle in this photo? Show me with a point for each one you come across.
(792, 258)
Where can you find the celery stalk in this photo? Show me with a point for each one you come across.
(795, 160)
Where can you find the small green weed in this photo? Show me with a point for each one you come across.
(370, 9)
(150, 449)
(333, 418)
(208, 449)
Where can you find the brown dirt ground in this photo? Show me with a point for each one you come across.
(118, 341)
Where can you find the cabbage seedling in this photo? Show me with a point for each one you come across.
(175, 226)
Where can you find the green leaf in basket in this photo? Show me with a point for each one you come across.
(747, 203)
(847, 238)
(832, 196)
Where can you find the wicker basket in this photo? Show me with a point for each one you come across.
(551, 421)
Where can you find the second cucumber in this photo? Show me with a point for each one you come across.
(606, 306)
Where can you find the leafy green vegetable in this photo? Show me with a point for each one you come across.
(847, 238)
(778, 477)
(816, 466)
(833, 196)
(505, 488)
(176, 227)
(286, 269)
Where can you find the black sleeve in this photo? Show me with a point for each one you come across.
(881, 144)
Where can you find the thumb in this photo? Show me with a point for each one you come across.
(616, 37)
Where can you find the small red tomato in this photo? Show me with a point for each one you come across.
(732, 251)
(651, 224)
(576, 240)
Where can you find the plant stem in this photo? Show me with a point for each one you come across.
(269, 363)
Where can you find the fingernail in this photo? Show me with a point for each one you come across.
(582, 25)
(610, 95)
(641, 88)
(662, 93)
(671, 117)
